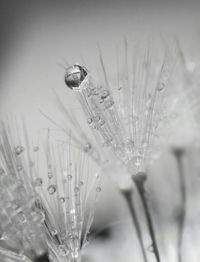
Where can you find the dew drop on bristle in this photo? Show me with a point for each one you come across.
(36, 149)
(38, 182)
(89, 121)
(19, 168)
(53, 231)
(98, 189)
(76, 189)
(150, 248)
(104, 94)
(63, 250)
(160, 87)
(69, 177)
(81, 183)
(74, 77)
(51, 189)
(50, 175)
(19, 150)
(62, 200)
(87, 147)
(39, 216)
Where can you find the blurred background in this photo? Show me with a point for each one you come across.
(39, 38)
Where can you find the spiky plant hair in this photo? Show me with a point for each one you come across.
(51, 182)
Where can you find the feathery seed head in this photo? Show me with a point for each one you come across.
(127, 119)
(46, 206)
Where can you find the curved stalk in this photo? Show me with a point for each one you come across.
(139, 180)
(178, 153)
(42, 258)
(128, 197)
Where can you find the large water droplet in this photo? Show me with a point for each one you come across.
(74, 77)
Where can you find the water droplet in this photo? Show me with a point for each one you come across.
(69, 177)
(32, 164)
(98, 189)
(21, 216)
(81, 183)
(108, 104)
(63, 250)
(36, 149)
(97, 175)
(51, 189)
(87, 147)
(160, 87)
(19, 150)
(53, 231)
(15, 205)
(62, 200)
(50, 175)
(150, 248)
(104, 94)
(19, 168)
(39, 216)
(74, 77)
(90, 121)
(76, 189)
(63, 236)
(38, 182)
(101, 122)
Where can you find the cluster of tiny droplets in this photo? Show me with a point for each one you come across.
(21, 222)
(61, 203)
(67, 184)
(129, 122)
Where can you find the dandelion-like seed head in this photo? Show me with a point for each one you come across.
(47, 197)
(127, 113)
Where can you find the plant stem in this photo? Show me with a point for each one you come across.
(42, 258)
(139, 180)
(128, 197)
(178, 153)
